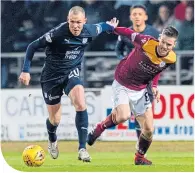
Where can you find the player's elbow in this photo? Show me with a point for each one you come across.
(33, 46)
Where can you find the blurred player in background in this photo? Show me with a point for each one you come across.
(138, 17)
(61, 73)
(132, 75)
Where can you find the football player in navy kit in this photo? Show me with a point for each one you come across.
(61, 72)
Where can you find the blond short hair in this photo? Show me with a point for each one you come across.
(76, 10)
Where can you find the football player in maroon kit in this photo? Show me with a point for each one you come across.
(143, 64)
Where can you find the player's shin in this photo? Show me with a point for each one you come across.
(81, 121)
(109, 122)
(145, 141)
(100, 127)
(51, 129)
(137, 128)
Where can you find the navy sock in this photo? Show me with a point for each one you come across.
(81, 121)
(51, 129)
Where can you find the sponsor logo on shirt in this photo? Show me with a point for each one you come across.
(72, 54)
(148, 68)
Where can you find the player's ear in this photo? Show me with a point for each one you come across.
(175, 43)
(130, 17)
(85, 20)
(146, 17)
(159, 37)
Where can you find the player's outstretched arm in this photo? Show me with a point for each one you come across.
(123, 31)
(136, 38)
(96, 29)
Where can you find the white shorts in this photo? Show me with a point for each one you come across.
(138, 100)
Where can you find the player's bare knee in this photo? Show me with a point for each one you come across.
(54, 121)
(80, 106)
(122, 115)
(149, 129)
(78, 98)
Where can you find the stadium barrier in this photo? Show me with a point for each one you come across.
(176, 76)
(24, 114)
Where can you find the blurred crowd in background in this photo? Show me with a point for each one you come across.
(24, 21)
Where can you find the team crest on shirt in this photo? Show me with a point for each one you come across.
(162, 64)
(85, 40)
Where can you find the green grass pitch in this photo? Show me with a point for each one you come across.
(106, 157)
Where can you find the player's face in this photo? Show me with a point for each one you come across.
(76, 22)
(166, 44)
(138, 16)
(189, 14)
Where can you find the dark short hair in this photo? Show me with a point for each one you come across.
(170, 31)
(138, 6)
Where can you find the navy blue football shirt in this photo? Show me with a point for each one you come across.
(63, 50)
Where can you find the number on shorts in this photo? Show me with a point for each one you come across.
(146, 96)
(74, 73)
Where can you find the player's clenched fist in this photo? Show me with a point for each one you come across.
(24, 78)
